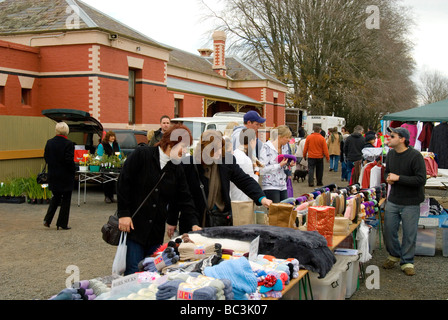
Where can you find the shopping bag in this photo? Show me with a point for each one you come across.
(282, 215)
(119, 264)
(321, 219)
(424, 208)
(243, 212)
(341, 226)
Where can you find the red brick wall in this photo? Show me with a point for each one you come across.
(191, 104)
(18, 59)
(65, 58)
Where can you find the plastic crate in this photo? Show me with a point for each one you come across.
(445, 238)
(328, 288)
(426, 237)
(347, 260)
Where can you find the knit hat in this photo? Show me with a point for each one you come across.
(239, 272)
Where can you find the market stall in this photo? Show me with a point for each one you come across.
(431, 129)
(252, 262)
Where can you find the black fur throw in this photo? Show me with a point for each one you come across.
(308, 247)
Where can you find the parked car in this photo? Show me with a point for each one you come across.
(84, 129)
(128, 139)
(88, 131)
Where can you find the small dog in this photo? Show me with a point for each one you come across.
(300, 174)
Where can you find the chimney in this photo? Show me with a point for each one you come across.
(205, 52)
(219, 58)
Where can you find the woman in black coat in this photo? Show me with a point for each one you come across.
(140, 173)
(215, 171)
(59, 156)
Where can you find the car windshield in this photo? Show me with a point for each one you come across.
(196, 128)
(126, 140)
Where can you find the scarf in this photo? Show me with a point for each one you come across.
(215, 198)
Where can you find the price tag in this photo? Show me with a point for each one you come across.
(253, 249)
(123, 283)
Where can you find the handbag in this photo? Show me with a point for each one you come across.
(214, 217)
(42, 177)
(110, 231)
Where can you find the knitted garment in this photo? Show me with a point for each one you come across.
(74, 294)
(154, 264)
(308, 247)
(192, 251)
(168, 289)
(239, 272)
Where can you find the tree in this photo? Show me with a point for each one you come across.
(327, 53)
(434, 87)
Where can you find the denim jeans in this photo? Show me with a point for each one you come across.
(136, 253)
(349, 166)
(408, 215)
(343, 170)
(334, 161)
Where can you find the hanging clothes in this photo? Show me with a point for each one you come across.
(412, 128)
(425, 135)
(418, 143)
(439, 143)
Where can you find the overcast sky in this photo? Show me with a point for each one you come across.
(177, 23)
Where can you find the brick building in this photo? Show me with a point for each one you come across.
(67, 54)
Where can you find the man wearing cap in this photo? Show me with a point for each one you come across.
(406, 175)
(252, 120)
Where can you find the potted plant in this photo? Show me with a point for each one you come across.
(94, 164)
(83, 165)
(12, 191)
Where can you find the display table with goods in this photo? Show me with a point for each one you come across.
(297, 250)
(94, 177)
(96, 169)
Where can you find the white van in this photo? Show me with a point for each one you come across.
(198, 125)
(325, 122)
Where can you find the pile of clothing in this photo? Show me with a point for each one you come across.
(194, 286)
(273, 274)
(308, 247)
(79, 291)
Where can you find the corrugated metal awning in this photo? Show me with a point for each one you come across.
(209, 91)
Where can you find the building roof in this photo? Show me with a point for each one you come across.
(189, 61)
(237, 69)
(180, 85)
(39, 16)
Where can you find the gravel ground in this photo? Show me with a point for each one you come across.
(36, 262)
